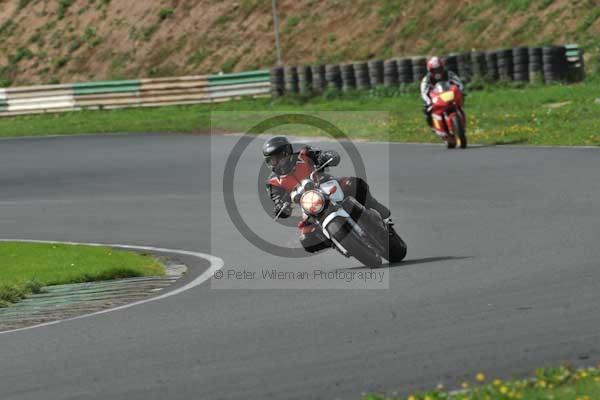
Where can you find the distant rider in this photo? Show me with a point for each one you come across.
(436, 72)
(289, 167)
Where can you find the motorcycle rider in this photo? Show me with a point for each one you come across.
(290, 167)
(436, 72)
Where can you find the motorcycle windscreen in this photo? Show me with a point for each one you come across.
(447, 96)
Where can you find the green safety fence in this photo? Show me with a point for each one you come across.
(239, 78)
(102, 87)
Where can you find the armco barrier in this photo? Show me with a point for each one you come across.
(133, 93)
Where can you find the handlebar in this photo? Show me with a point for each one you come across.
(285, 205)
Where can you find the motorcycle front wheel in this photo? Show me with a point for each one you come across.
(396, 247)
(459, 130)
(342, 231)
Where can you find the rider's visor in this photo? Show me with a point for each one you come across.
(275, 159)
(437, 72)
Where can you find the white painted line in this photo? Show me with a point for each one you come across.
(216, 264)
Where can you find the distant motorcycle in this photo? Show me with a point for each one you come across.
(449, 118)
(347, 225)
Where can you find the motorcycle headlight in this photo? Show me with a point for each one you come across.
(312, 202)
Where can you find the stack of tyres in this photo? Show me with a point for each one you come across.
(555, 63)
(419, 65)
(376, 72)
(390, 73)
(291, 79)
(333, 76)
(505, 64)
(405, 70)
(478, 64)
(575, 64)
(491, 66)
(536, 65)
(451, 62)
(304, 79)
(464, 66)
(520, 64)
(277, 82)
(348, 78)
(319, 83)
(361, 73)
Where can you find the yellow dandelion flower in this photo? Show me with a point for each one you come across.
(542, 384)
(428, 397)
(412, 397)
(497, 382)
(583, 374)
(465, 385)
(480, 377)
(503, 390)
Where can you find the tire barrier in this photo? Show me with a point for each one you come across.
(554, 63)
(451, 62)
(575, 64)
(465, 66)
(536, 65)
(348, 77)
(390, 73)
(519, 64)
(505, 64)
(491, 62)
(520, 57)
(361, 73)
(304, 79)
(375, 72)
(291, 79)
(136, 93)
(478, 64)
(319, 83)
(419, 68)
(277, 82)
(333, 76)
(405, 70)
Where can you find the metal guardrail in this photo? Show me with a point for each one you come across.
(133, 93)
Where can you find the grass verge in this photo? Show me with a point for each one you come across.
(534, 114)
(562, 383)
(25, 268)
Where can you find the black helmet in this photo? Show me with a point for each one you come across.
(278, 155)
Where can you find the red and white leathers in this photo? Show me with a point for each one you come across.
(427, 85)
(429, 81)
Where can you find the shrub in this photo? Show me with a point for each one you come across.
(166, 13)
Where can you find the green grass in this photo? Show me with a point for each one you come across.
(27, 267)
(563, 383)
(536, 115)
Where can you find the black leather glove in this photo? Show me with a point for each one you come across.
(283, 209)
(325, 156)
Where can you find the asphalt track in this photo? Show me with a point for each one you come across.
(502, 273)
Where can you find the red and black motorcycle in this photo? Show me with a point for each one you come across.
(344, 223)
(449, 120)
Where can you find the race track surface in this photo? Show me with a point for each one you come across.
(502, 273)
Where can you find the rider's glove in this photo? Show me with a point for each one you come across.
(427, 109)
(325, 156)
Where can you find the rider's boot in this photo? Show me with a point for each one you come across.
(377, 206)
